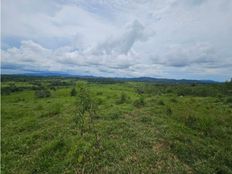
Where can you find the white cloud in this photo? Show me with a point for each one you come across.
(159, 38)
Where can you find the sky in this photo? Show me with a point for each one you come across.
(180, 39)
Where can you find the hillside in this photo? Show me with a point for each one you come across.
(137, 127)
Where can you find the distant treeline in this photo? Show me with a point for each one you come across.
(105, 80)
(201, 90)
(53, 82)
(26, 78)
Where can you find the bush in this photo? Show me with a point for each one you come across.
(86, 108)
(169, 111)
(200, 90)
(161, 102)
(122, 99)
(191, 121)
(115, 115)
(55, 109)
(140, 102)
(99, 93)
(140, 91)
(42, 93)
(9, 89)
(145, 119)
(73, 92)
(173, 100)
(99, 101)
(229, 100)
(53, 88)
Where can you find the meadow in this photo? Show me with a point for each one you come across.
(137, 127)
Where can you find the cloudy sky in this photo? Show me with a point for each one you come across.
(118, 38)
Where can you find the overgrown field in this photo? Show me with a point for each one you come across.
(137, 127)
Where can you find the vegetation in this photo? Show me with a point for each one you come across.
(139, 102)
(110, 127)
(73, 92)
(42, 93)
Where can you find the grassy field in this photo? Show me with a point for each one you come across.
(140, 128)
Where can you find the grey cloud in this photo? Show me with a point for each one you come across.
(182, 55)
(123, 43)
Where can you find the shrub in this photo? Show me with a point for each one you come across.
(139, 102)
(99, 101)
(191, 121)
(73, 92)
(86, 108)
(9, 89)
(99, 93)
(53, 88)
(140, 91)
(145, 119)
(122, 99)
(169, 91)
(161, 102)
(39, 107)
(42, 93)
(229, 100)
(173, 100)
(169, 111)
(55, 109)
(115, 115)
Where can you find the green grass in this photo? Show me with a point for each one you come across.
(168, 134)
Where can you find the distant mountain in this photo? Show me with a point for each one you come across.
(115, 79)
(46, 73)
(174, 81)
(163, 80)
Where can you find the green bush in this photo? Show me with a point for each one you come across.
(139, 102)
(73, 92)
(99, 101)
(122, 99)
(115, 115)
(200, 90)
(42, 93)
(13, 88)
(191, 121)
(55, 109)
(229, 100)
(145, 119)
(169, 111)
(161, 102)
(140, 91)
(86, 108)
(174, 100)
(99, 93)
